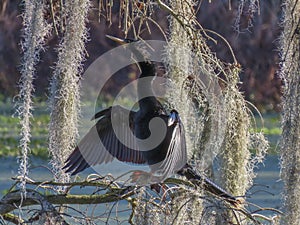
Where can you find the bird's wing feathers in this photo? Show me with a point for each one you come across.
(176, 156)
(101, 145)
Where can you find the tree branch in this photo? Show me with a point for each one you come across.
(12, 200)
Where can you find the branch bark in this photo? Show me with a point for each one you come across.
(12, 200)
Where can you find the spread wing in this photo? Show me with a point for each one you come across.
(110, 138)
(176, 157)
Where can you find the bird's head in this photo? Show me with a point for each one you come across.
(138, 47)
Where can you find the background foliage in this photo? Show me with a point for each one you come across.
(254, 45)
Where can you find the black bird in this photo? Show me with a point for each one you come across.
(103, 143)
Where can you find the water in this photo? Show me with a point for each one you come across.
(265, 192)
(267, 188)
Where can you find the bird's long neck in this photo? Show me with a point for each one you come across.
(147, 100)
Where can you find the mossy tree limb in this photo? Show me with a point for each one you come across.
(156, 207)
(290, 142)
(8, 203)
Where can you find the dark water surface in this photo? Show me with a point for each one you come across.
(267, 188)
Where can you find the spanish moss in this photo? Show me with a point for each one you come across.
(34, 33)
(64, 100)
(179, 61)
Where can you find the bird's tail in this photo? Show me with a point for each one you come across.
(209, 185)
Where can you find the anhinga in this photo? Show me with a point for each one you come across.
(167, 158)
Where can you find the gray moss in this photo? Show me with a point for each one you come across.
(65, 97)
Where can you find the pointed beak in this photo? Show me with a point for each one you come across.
(118, 40)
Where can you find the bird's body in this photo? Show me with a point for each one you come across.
(157, 138)
(150, 136)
